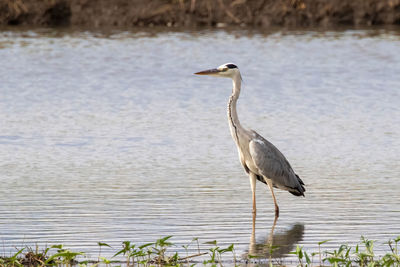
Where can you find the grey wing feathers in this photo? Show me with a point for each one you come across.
(272, 164)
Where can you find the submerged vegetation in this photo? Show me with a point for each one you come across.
(156, 254)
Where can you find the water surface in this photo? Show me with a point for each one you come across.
(110, 137)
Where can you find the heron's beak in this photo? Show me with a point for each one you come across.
(208, 72)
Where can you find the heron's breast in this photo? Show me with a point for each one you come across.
(252, 167)
(246, 159)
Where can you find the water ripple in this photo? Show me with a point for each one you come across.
(111, 138)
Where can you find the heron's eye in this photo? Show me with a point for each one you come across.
(225, 69)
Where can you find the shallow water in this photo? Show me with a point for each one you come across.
(110, 137)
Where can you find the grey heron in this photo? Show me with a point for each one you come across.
(261, 160)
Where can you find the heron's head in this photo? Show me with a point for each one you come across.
(228, 70)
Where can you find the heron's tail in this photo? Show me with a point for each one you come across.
(261, 179)
(299, 191)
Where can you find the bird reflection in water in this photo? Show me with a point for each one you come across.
(275, 245)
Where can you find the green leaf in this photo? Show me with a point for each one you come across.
(66, 255)
(103, 244)
(17, 253)
(323, 242)
(307, 258)
(119, 252)
(126, 247)
(299, 252)
(126, 244)
(162, 242)
(342, 248)
(175, 257)
(230, 248)
(146, 245)
(214, 242)
(57, 246)
(105, 260)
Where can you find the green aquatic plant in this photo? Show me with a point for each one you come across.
(159, 253)
(363, 255)
(14, 260)
(319, 251)
(63, 256)
(340, 256)
(129, 250)
(100, 244)
(216, 252)
(302, 256)
(160, 248)
(148, 253)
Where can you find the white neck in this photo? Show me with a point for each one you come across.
(233, 118)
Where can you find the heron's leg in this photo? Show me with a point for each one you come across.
(253, 179)
(273, 196)
(253, 244)
(271, 233)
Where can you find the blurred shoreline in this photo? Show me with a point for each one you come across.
(262, 14)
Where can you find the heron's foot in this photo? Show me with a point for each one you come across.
(276, 211)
